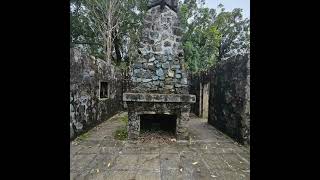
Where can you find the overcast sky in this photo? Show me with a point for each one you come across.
(231, 4)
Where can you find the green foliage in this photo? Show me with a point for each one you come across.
(210, 36)
(125, 119)
(82, 137)
(87, 20)
(121, 134)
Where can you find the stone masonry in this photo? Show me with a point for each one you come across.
(159, 67)
(159, 78)
(87, 108)
(229, 104)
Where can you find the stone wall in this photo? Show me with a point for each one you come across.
(87, 109)
(159, 65)
(229, 104)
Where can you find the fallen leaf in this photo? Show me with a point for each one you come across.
(108, 164)
(195, 163)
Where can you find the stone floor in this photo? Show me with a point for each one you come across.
(208, 155)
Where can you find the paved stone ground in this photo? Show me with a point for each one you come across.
(208, 155)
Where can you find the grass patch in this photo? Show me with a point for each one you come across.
(124, 119)
(83, 136)
(121, 134)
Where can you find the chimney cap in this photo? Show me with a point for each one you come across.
(172, 4)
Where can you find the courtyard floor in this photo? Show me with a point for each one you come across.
(209, 154)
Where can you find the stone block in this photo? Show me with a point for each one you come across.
(154, 35)
(152, 59)
(155, 83)
(165, 65)
(157, 48)
(176, 66)
(159, 72)
(146, 80)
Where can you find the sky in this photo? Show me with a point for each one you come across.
(229, 5)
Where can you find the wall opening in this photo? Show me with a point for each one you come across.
(205, 100)
(104, 90)
(158, 122)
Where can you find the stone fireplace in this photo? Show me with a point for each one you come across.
(159, 95)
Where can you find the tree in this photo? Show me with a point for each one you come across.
(235, 33)
(106, 28)
(209, 36)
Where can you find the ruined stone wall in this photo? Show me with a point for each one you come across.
(87, 109)
(229, 104)
(159, 65)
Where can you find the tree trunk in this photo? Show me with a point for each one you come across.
(117, 46)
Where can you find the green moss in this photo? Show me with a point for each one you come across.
(83, 136)
(121, 134)
(124, 119)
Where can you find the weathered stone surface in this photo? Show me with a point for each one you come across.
(217, 156)
(176, 66)
(86, 107)
(137, 65)
(149, 97)
(165, 65)
(167, 44)
(165, 36)
(159, 72)
(157, 48)
(170, 73)
(146, 80)
(184, 81)
(157, 76)
(231, 112)
(155, 83)
(152, 59)
(168, 87)
(154, 35)
(161, 77)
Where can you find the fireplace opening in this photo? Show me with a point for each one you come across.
(158, 122)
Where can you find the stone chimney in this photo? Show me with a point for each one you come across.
(160, 64)
(160, 84)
